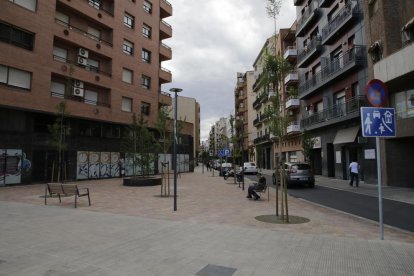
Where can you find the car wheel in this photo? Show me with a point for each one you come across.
(311, 184)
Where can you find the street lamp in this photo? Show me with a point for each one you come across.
(175, 90)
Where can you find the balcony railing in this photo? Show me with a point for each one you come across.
(85, 33)
(262, 139)
(293, 127)
(325, 3)
(336, 112)
(100, 7)
(79, 99)
(307, 17)
(333, 69)
(291, 52)
(346, 14)
(312, 48)
(291, 77)
(257, 103)
(86, 67)
(292, 102)
(264, 97)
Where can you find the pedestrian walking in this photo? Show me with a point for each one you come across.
(354, 171)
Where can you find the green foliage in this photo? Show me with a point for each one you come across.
(164, 127)
(307, 145)
(139, 145)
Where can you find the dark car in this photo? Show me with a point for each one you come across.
(298, 173)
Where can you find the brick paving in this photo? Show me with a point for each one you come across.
(203, 198)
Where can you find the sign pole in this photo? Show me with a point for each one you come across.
(381, 223)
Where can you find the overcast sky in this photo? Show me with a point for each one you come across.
(212, 41)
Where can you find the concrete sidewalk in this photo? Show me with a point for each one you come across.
(133, 231)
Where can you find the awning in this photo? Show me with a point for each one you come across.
(346, 135)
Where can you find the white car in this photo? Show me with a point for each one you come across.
(249, 167)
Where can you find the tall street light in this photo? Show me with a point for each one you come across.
(175, 90)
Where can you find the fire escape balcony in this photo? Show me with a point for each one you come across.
(333, 69)
(308, 17)
(292, 77)
(309, 51)
(348, 14)
(292, 103)
(293, 127)
(291, 53)
(336, 114)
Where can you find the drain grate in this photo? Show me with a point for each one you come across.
(216, 270)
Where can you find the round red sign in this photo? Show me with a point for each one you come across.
(377, 93)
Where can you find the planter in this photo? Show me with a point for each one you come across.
(142, 181)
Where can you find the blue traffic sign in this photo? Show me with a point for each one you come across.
(378, 122)
(224, 153)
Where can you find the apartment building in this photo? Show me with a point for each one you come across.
(101, 57)
(242, 103)
(389, 27)
(332, 67)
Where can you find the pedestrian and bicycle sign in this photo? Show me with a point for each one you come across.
(378, 122)
(224, 153)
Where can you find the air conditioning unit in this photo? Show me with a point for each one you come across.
(77, 91)
(83, 61)
(78, 84)
(83, 52)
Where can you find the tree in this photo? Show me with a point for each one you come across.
(58, 131)
(140, 146)
(307, 145)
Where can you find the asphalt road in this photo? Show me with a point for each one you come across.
(395, 213)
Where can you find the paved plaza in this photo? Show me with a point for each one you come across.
(134, 231)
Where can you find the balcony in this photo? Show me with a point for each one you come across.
(165, 9)
(325, 3)
(264, 117)
(291, 53)
(333, 69)
(298, 2)
(165, 30)
(292, 78)
(105, 6)
(308, 17)
(165, 98)
(272, 94)
(309, 51)
(165, 52)
(257, 122)
(264, 139)
(264, 97)
(349, 13)
(335, 114)
(293, 127)
(257, 104)
(165, 75)
(96, 101)
(86, 67)
(292, 103)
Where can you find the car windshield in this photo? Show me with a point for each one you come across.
(301, 166)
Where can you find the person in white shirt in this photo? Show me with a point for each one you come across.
(354, 170)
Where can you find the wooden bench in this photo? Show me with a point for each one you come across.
(57, 189)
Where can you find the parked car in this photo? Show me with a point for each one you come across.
(249, 167)
(298, 173)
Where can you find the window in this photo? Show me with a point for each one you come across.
(57, 89)
(339, 99)
(333, 13)
(147, 6)
(93, 65)
(145, 108)
(91, 97)
(128, 47)
(129, 20)
(403, 102)
(146, 56)
(145, 82)
(126, 104)
(27, 4)
(94, 33)
(15, 77)
(97, 4)
(59, 54)
(62, 18)
(146, 31)
(16, 36)
(127, 76)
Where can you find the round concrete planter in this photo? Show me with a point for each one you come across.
(142, 181)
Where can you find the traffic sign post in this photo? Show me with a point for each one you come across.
(378, 122)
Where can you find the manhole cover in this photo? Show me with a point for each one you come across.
(279, 220)
(216, 270)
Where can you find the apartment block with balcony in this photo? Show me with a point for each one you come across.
(332, 69)
(389, 27)
(101, 58)
(241, 124)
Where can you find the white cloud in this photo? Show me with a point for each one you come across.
(212, 41)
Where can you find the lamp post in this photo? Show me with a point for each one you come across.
(175, 90)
